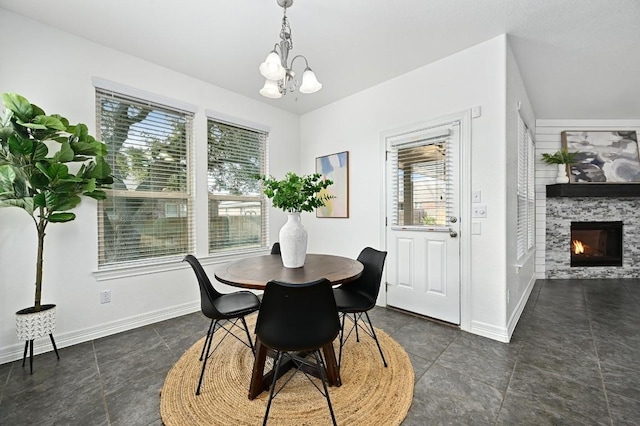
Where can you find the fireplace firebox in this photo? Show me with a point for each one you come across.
(596, 243)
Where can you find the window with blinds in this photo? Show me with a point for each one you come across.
(237, 211)
(422, 171)
(526, 190)
(148, 213)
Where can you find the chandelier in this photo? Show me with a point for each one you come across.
(279, 75)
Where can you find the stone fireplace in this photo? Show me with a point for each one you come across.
(609, 227)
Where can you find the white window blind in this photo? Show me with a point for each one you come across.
(421, 181)
(526, 190)
(237, 210)
(148, 214)
(531, 192)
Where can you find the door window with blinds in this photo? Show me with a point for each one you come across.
(237, 212)
(147, 215)
(421, 174)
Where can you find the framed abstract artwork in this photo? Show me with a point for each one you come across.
(336, 168)
(603, 156)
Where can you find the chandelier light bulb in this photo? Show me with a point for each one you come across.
(310, 83)
(271, 68)
(271, 89)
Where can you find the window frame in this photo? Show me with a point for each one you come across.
(525, 197)
(148, 264)
(263, 148)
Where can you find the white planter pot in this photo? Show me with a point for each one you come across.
(32, 325)
(293, 242)
(562, 174)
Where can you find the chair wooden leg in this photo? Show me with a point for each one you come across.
(373, 332)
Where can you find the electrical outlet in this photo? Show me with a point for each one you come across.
(105, 296)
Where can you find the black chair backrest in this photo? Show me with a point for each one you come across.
(368, 283)
(207, 293)
(275, 249)
(297, 317)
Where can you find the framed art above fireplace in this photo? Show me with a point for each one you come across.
(603, 156)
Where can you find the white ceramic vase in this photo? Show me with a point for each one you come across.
(293, 242)
(562, 174)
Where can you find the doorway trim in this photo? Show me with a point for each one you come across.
(464, 118)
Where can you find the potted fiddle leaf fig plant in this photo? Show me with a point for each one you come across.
(562, 159)
(295, 194)
(46, 165)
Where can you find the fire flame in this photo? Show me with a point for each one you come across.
(578, 247)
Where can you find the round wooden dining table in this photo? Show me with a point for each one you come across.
(255, 272)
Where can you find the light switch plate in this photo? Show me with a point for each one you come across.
(479, 211)
(476, 196)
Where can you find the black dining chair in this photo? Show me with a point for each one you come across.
(228, 308)
(296, 321)
(358, 297)
(275, 249)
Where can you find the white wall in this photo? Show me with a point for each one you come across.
(520, 272)
(548, 140)
(474, 77)
(54, 70)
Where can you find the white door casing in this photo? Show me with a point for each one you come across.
(424, 272)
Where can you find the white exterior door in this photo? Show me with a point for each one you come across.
(423, 223)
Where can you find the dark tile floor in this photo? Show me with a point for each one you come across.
(572, 360)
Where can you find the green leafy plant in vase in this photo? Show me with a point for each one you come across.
(295, 194)
(46, 165)
(562, 159)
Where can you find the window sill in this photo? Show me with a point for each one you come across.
(524, 260)
(168, 264)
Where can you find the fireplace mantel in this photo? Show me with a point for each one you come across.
(593, 190)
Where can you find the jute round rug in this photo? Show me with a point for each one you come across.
(370, 393)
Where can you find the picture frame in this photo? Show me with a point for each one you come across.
(335, 167)
(604, 156)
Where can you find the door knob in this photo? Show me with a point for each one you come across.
(453, 219)
(453, 234)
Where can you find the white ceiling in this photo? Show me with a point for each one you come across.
(579, 59)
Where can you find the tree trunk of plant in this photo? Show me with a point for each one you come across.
(42, 224)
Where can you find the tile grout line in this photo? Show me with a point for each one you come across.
(6, 382)
(595, 347)
(163, 340)
(104, 396)
(515, 364)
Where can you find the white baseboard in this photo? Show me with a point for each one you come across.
(503, 334)
(14, 352)
(517, 312)
(490, 331)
